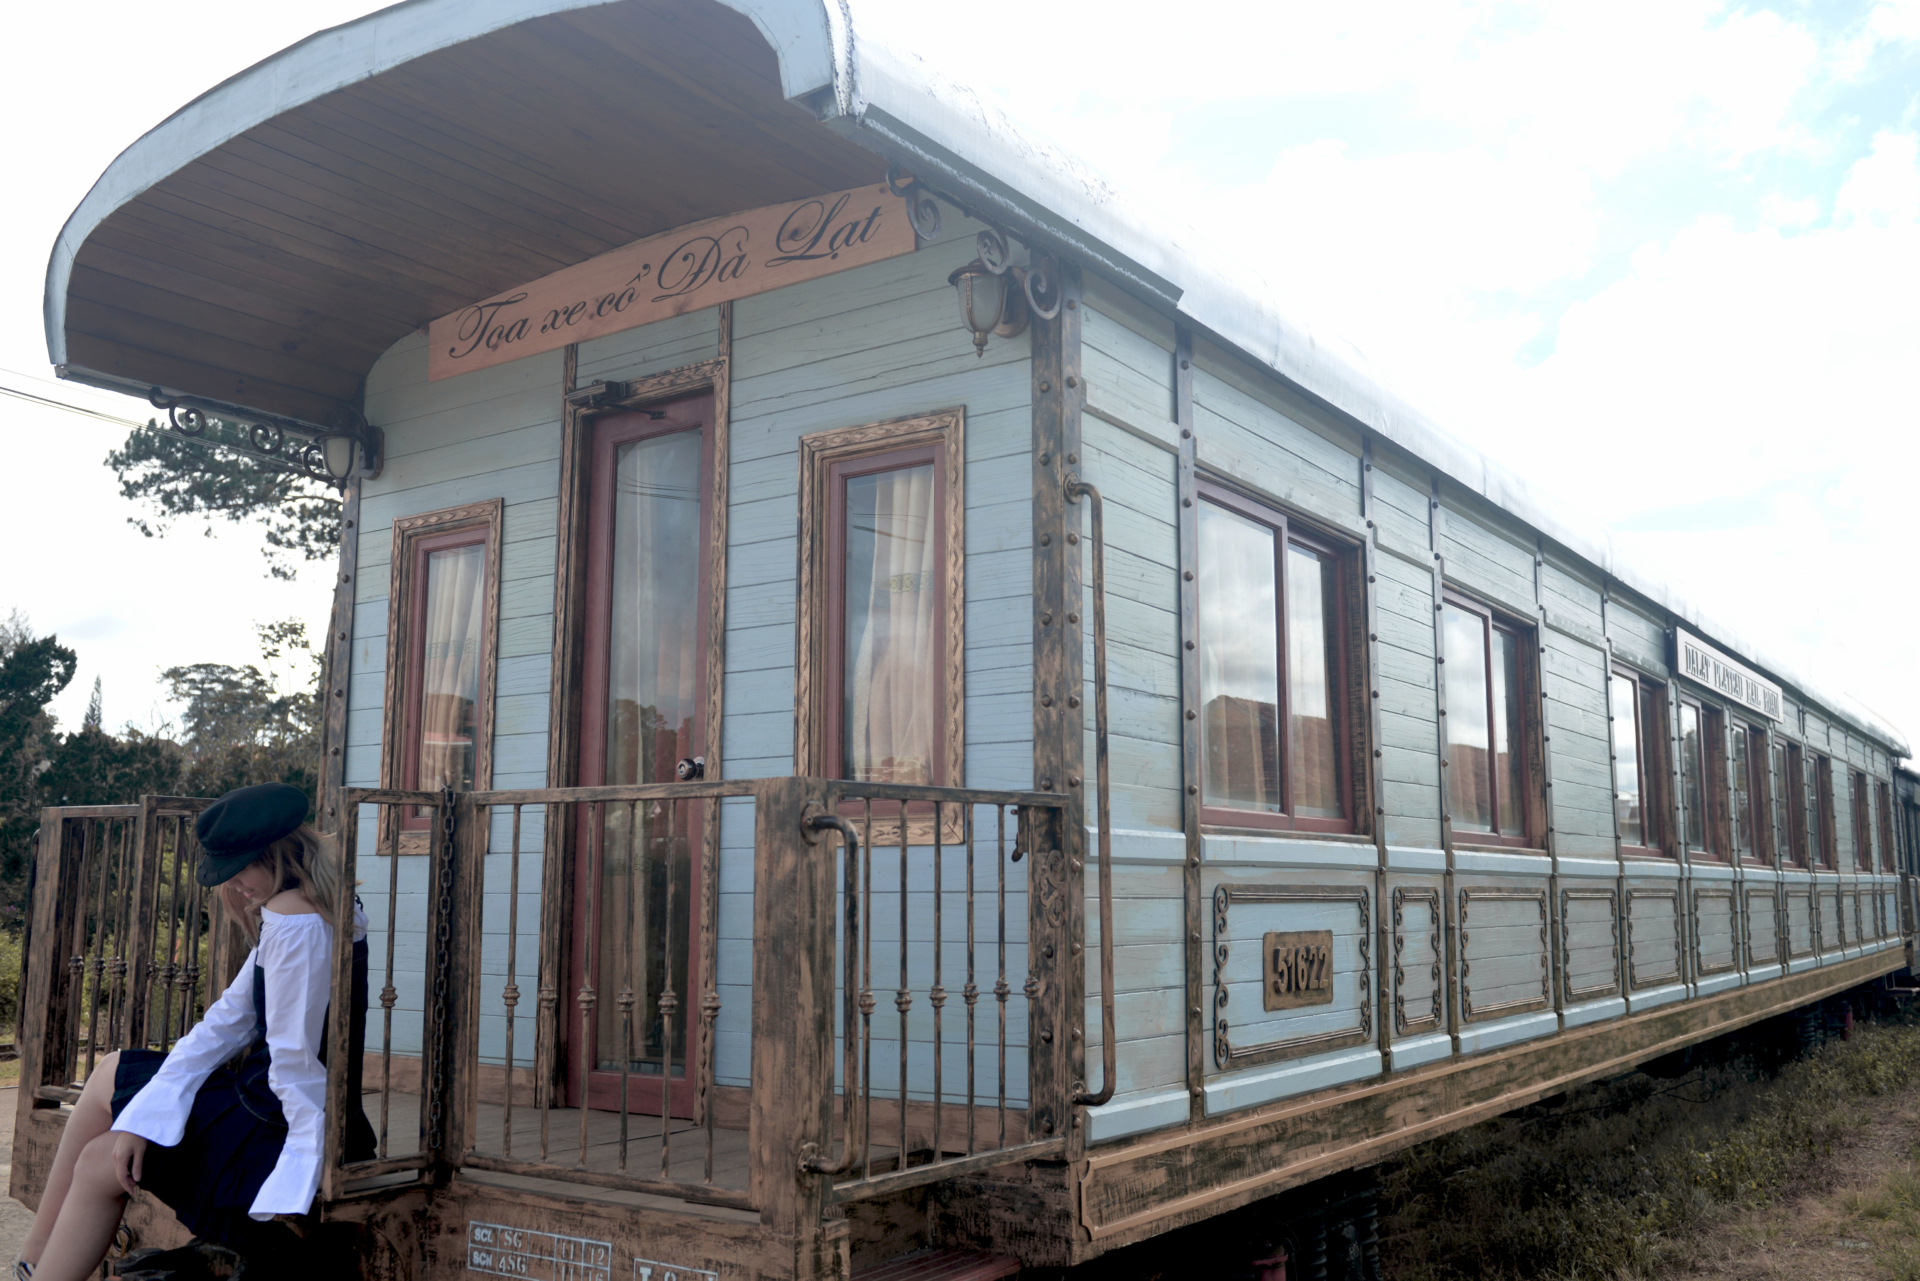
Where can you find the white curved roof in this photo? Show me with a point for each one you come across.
(948, 136)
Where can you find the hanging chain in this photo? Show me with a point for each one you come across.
(443, 930)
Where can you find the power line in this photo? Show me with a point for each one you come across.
(84, 412)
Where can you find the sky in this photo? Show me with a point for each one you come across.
(1658, 257)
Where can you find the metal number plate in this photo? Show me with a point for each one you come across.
(1297, 969)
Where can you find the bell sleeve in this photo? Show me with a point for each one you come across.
(296, 953)
(158, 1113)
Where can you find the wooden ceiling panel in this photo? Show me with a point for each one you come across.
(284, 261)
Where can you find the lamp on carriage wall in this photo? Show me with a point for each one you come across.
(997, 297)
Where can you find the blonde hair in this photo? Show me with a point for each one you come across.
(300, 861)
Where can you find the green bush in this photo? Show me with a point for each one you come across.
(1609, 1181)
(9, 982)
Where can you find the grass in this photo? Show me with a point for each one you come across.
(1615, 1180)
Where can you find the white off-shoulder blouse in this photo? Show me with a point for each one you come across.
(295, 954)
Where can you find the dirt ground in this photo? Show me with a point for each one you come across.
(1856, 1217)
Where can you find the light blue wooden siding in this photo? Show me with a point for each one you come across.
(494, 433)
(876, 343)
(1127, 451)
(1128, 444)
(1486, 559)
(1638, 637)
(1401, 508)
(1573, 674)
(1253, 436)
(1571, 598)
(1409, 713)
(650, 349)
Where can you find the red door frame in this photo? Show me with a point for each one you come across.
(686, 413)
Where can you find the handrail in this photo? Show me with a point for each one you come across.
(856, 1141)
(1076, 489)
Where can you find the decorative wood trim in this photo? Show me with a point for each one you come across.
(1572, 994)
(1192, 762)
(1770, 894)
(1431, 896)
(1700, 966)
(1635, 983)
(1225, 1054)
(1813, 922)
(339, 666)
(488, 515)
(818, 452)
(1500, 1009)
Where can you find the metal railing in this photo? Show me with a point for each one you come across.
(125, 948)
(645, 926)
(916, 836)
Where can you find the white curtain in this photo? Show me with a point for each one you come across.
(450, 667)
(892, 640)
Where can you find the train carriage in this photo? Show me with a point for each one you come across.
(878, 703)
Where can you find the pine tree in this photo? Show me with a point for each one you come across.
(92, 720)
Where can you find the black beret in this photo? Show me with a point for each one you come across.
(235, 829)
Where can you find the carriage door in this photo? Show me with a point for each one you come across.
(643, 711)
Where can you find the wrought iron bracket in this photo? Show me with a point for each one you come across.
(288, 443)
(1041, 280)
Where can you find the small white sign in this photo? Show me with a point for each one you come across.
(1702, 664)
(502, 1251)
(654, 1270)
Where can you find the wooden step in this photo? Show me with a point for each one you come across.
(942, 1265)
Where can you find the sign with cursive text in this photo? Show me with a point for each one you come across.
(695, 266)
(1704, 665)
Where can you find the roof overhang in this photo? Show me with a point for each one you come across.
(263, 245)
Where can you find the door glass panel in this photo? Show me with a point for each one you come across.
(1694, 777)
(1469, 780)
(1742, 794)
(1310, 650)
(652, 660)
(892, 648)
(1508, 707)
(1816, 849)
(1239, 661)
(450, 668)
(1626, 760)
(1782, 837)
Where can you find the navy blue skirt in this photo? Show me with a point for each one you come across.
(232, 1142)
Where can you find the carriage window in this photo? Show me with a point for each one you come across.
(1749, 777)
(882, 514)
(1693, 776)
(1487, 775)
(1637, 760)
(1884, 796)
(1862, 820)
(1780, 802)
(1817, 809)
(440, 652)
(887, 618)
(1271, 685)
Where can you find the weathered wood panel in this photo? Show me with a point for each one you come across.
(1590, 942)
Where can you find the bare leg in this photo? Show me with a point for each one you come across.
(88, 1216)
(92, 1117)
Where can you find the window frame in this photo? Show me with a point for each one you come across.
(1821, 766)
(414, 538)
(1859, 800)
(1759, 779)
(1798, 853)
(1715, 797)
(1883, 821)
(1289, 532)
(830, 456)
(1533, 804)
(1650, 748)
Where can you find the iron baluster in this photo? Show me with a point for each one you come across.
(669, 999)
(596, 869)
(510, 994)
(388, 996)
(971, 992)
(625, 1001)
(442, 941)
(936, 995)
(902, 997)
